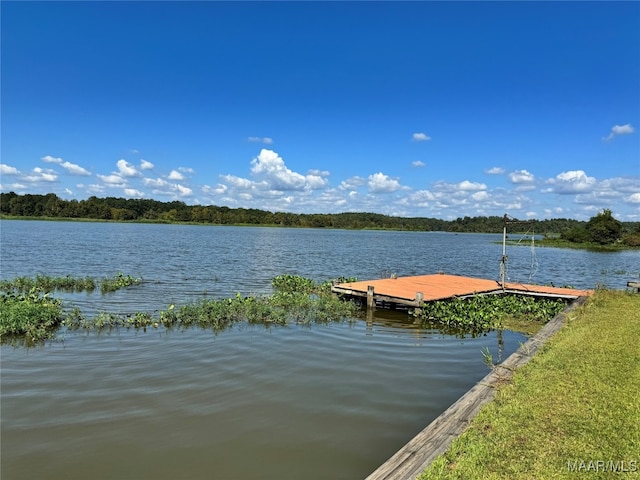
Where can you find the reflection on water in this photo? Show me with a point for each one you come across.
(320, 401)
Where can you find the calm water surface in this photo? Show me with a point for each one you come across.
(318, 402)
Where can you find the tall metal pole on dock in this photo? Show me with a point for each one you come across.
(503, 261)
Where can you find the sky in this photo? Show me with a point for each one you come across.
(413, 109)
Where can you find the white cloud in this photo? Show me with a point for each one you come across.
(112, 180)
(175, 175)
(480, 196)
(352, 183)
(95, 188)
(420, 137)
(619, 130)
(162, 187)
(132, 192)
(237, 182)
(315, 182)
(13, 186)
(183, 191)
(318, 173)
(146, 165)
(51, 159)
(622, 129)
(471, 186)
(41, 175)
(270, 167)
(271, 179)
(553, 212)
(521, 176)
(420, 198)
(155, 182)
(265, 140)
(125, 169)
(272, 185)
(620, 185)
(74, 169)
(8, 170)
(573, 181)
(459, 188)
(217, 190)
(381, 183)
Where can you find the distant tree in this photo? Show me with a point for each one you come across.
(577, 234)
(632, 239)
(6, 200)
(603, 228)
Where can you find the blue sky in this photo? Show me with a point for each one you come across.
(420, 109)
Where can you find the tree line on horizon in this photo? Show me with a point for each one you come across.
(148, 210)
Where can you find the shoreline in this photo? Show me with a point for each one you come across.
(539, 243)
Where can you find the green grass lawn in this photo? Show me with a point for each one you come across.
(572, 412)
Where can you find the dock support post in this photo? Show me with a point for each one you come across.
(371, 303)
(419, 301)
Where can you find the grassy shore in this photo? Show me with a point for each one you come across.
(573, 411)
(595, 247)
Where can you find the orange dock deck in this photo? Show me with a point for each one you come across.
(414, 291)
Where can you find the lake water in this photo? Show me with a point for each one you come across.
(315, 402)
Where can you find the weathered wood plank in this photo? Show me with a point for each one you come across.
(436, 438)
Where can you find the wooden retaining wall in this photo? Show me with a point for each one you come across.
(411, 460)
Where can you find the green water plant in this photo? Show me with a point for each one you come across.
(296, 300)
(120, 280)
(32, 315)
(487, 312)
(293, 283)
(47, 283)
(487, 358)
(303, 285)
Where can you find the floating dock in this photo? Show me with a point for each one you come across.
(414, 291)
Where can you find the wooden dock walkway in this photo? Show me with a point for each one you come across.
(414, 291)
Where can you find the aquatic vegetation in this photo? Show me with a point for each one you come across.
(487, 312)
(68, 283)
(32, 315)
(119, 281)
(293, 283)
(46, 284)
(297, 300)
(299, 284)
